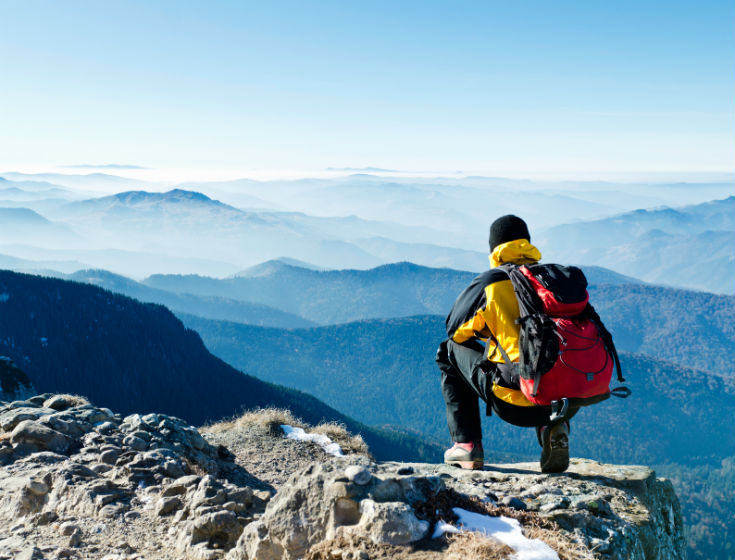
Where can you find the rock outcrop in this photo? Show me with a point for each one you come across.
(78, 481)
(619, 512)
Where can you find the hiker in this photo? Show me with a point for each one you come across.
(481, 327)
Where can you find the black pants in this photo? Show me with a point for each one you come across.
(465, 376)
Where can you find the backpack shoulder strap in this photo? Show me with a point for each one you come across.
(528, 300)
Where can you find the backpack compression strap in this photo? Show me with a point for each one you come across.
(606, 338)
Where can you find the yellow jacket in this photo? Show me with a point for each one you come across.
(489, 305)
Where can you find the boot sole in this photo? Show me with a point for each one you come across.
(558, 459)
(476, 465)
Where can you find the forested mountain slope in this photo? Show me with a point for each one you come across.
(692, 329)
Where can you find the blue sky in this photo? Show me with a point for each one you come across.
(483, 87)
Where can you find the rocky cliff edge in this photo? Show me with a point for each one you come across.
(79, 481)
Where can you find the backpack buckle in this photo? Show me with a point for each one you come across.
(559, 410)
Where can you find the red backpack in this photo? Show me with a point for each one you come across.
(566, 353)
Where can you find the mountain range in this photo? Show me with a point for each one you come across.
(181, 222)
(363, 221)
(689, 247)
(339, 296)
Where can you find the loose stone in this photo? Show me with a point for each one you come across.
(514, 503)
(168, 505)
(358, 474)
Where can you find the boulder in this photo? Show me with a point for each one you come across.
(35, 433)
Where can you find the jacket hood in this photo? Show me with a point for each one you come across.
(518, 251)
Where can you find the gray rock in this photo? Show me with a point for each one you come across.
(75, 539)
(76, 471)
(209, 492)
(24, 449)
(196, 440)
(75, 429)
(601, 507)
(10, 418)
(391, 523)
(97, 416)
(67, 528)
(110, 456)
(105, 427)
(220, 529)
(150, 420)
(6, 454)
(29, 431)
(30, 553)
(241, 495)
(388, 490)
(515, 503)
(624, 512)
(135, 443)
(112, 511)
(45, 458)
(554, 504)
(321, 503)
(60, 402)
(358, 474)
(44, 518)
(131, 516)
(37, 486)
(181, 485)
(172, 469)
(142, 434)
(168, 505)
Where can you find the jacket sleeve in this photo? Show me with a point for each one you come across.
(465, 321)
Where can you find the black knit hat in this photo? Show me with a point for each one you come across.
(507, 228)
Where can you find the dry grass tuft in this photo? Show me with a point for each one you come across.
(463, 546)
(271, 419)
(338, 433)
(268, 418)
(74, 400)
(561, 542)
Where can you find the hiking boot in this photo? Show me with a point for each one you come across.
(465, 455)
(555, 447)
